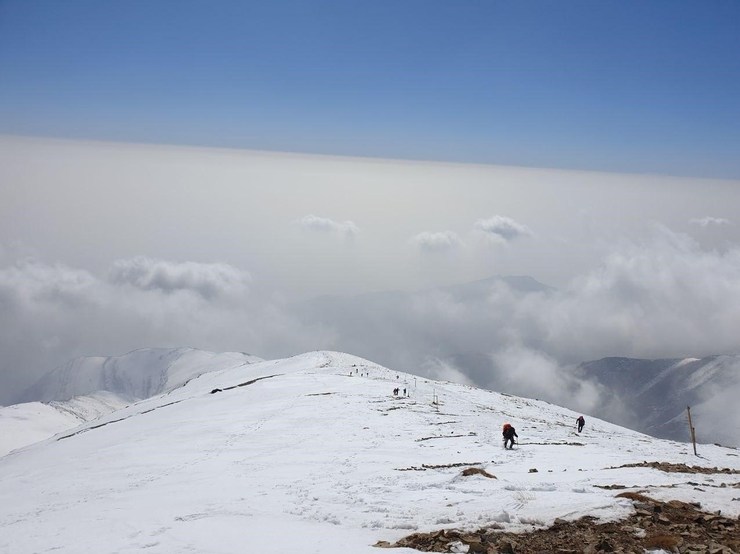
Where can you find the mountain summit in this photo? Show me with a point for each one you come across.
(317, 453)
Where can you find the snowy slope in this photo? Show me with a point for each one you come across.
(24, 424)
(315, 454)
(138, 374)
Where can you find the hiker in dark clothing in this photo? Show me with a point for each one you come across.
(580, 422)
(509, 434)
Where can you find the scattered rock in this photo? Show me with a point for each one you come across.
(635, 496)
(533, 470)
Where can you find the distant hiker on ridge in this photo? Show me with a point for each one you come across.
(509, 434)
(580, 422)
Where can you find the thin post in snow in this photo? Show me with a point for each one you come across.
(691, 429)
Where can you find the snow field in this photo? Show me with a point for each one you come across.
(314, 457)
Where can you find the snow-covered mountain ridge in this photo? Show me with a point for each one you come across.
(316, 454)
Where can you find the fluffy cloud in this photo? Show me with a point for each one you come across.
(326, 225)
(207, 280)
(709, 221)
(502, 228)
(532, 373)
(718, 410)
(437, 242)
(441, 370)
(662, 297)
(29, 280)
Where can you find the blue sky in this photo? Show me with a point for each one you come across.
(609, 85)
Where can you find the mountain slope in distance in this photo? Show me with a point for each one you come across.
(30, 422)
(87, 388)
(138, 374)
(657, 392)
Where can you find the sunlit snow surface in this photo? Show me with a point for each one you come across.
(312, 459)
(23, 424)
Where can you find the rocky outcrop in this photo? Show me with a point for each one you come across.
(672, 526)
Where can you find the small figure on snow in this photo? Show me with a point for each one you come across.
(580, 422)
(509, 434)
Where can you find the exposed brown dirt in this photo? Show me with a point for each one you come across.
(476, 471)
(673, 526)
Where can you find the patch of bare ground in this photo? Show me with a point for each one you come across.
(681, 468)
(672, 526)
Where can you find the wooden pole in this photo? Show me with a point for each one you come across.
(692, 430)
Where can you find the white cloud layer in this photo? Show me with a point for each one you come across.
(207, 280)
(502, 228)
(710, 221)
(326, 225)
(437, 241)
